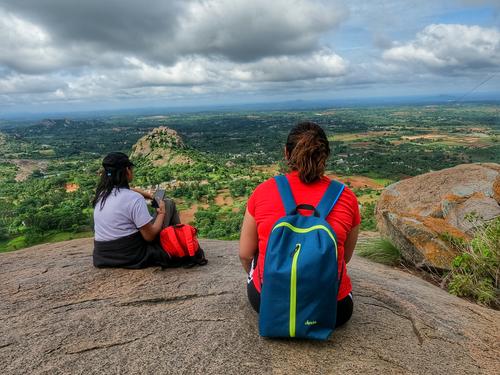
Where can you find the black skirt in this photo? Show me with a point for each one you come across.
(132, 251)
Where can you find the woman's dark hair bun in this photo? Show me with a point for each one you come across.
(308, 149)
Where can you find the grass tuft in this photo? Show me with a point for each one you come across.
(475, 273)
(380, 251)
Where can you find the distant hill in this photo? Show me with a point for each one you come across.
(162, 146)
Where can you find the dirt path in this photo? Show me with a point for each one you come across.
(26, 166)
(358, 182)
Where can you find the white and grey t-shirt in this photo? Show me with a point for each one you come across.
(124, 212)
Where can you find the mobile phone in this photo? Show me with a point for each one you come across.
(159, 194)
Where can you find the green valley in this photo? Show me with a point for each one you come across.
(213, 160)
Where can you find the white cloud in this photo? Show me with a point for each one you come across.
(244, 30)
(188, 71)
(449, 48)
(24, 84)
(123, 48)
(94, 50)
(321, 64)
(26, 47)
(165, 31)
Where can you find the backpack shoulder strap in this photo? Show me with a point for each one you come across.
(190, 241)
(285, 193)
(330, 197)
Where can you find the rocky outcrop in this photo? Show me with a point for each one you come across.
(60, 315)
(161, 146)
(424, 215)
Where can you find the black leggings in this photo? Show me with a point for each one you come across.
(344, 306)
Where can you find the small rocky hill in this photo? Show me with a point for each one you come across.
(161, 146)
(59, 315)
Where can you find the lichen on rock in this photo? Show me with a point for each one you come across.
(419, 213)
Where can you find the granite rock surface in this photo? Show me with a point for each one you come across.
(60, 315)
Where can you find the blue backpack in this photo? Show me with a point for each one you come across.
(301, 281)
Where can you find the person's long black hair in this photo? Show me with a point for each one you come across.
(110, 178)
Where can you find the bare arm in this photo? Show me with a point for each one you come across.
(249, 241)
(151, 230)
(350, 243)
(144, 193)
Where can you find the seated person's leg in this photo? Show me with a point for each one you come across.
(252, 292)
(344, 310)
(171, 216)
(157, 256)
(253, 296)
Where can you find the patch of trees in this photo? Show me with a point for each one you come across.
(218, 223)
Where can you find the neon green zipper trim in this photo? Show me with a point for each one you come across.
(310, 229)
(293, 290)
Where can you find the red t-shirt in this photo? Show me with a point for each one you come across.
(266, 208)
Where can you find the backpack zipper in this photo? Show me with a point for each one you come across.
(307, 230)
(293, 290)
(297, 247)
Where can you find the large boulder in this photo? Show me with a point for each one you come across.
(426, 216)
(60, 315)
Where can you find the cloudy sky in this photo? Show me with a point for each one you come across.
(63, 55)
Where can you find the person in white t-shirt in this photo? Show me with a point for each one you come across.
(126, 235)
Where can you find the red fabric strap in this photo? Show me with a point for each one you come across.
(190, 241)
(172, 237)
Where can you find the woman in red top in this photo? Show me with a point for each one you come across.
(307, 150)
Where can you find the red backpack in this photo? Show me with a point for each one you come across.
(180, 242)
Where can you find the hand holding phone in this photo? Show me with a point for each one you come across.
(157, 198)
(161, 208)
